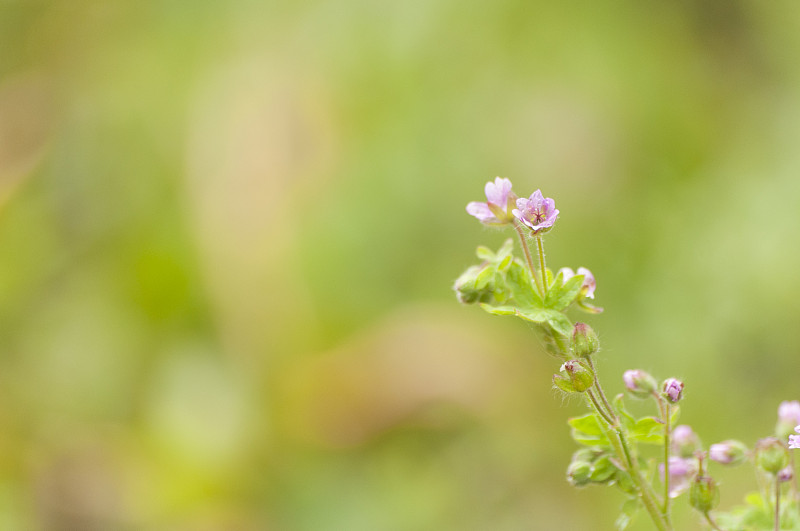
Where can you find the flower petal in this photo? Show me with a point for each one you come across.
(482, 212)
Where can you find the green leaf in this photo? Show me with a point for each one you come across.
(588, 430)
(629, 510)
(560, 296)
(648, 430)
(499, 310)
(520, 284)
(484, 253)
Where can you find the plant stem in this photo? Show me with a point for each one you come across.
(777, 503)
(616, 437)
(543, 269)
(529, 259)
(795, 491)
(712, 523)
(599, 410)
(600, 390)
(666, 459)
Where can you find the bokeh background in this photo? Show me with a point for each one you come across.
(228, 232)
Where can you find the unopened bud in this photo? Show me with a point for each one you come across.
(639, 383)
(579, 473)
(672, 390)
(728, 452)
(582, 378)
(704, 494)
(785, 474)
(685, 441)
(771, 455)
(584, 341)
(475, 285)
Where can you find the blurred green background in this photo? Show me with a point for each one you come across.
(228, 232)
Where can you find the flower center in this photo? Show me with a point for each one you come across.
(539, 215)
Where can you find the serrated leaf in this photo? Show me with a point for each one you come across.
(647, 430)
(520, 284)
(587, 430)
(560, 296)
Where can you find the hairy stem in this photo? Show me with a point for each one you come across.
(529, 259)
(611, 422)
(542, 267)
(616, 437)
(600, 390)
(666, 458)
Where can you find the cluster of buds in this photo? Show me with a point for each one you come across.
(641, 385)
(576, 375)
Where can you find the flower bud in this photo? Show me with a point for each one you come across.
(704, 494)
(771, 455)
(785, 474)
(579, 376)
(672, 390)
(685, 441)
(474, 285)
(639, 383)
(728, 452)
(584, 341)
(579, 473)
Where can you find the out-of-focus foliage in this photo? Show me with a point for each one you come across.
(228, 232)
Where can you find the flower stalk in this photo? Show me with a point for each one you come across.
(610, 435)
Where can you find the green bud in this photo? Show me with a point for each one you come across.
(704, 494)
(579, 473)
(771, 455)
(579, 376)
(475, 285)
(584, 341)
(563, 383)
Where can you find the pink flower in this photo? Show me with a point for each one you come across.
(536, 212)
(673, 389)
(789, 412)
(794, 440)
(499, 200)
(680, 474)
(589, 283)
